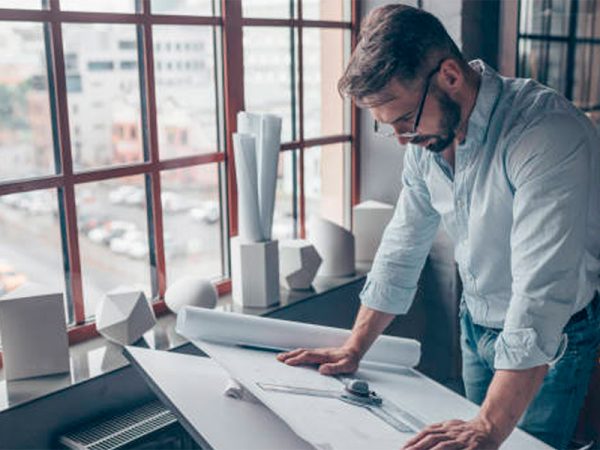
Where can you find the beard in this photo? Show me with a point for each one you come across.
(450, 121)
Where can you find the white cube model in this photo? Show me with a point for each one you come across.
(254, 273)
(298, 264)
(34, 332)
(369, 219)
(335, 244)
(123, 316)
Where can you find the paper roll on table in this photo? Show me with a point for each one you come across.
(237, 329)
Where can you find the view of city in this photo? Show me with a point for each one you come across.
(105, 123)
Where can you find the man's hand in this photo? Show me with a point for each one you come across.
(455, 435)
(331, 361)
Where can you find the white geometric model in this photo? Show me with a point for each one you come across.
(254, 273)
(123, 316)
(298, 263)
(369, 220)
(34, 332)
(335, 244)
(191, 291)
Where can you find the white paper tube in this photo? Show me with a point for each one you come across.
(245, 168)
(268, 157)
(236, 329)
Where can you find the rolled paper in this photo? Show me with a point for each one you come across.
(200, 324)
(247, 181)
(268, 158)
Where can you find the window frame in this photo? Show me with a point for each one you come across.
(230, 92)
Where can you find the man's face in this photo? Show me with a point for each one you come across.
(439, 119)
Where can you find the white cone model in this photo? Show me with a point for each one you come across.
(335, 244)
(191, 291)
(123, 316)
(369, 220)
(299, 263)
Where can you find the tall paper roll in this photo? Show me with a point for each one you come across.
(270, 139)
(237, 329)
(245, 167)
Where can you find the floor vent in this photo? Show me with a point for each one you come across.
(121, 430)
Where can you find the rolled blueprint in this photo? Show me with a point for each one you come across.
(268, 158)
(236, 329)
(265, 130)
(245, 167)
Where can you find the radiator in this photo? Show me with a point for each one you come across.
(122, 430)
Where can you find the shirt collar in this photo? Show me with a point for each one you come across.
(487, 97)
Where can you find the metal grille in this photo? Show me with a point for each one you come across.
(121, 429)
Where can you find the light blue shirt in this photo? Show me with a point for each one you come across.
(522, 208)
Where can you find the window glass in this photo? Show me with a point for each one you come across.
(326, 184)
(185, 90)
(26, 147)
(270, 74)
(114, 6)
(269, 9)
(324, 109)
(21, 4)
(588, 19)
(30, 248)
(104, 96)
(185, 7)
(192, 222)
(336, 10)
(544, 61)
(543, 17)
(113, 237)
(286, 212)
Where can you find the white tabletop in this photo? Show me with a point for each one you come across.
(193, 386)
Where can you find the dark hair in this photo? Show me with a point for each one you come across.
(396, 41)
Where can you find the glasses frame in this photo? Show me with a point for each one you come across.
(413, 133)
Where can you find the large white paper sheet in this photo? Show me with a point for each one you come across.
(327, 423)
(238, 329)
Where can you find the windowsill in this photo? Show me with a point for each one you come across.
(97, 357)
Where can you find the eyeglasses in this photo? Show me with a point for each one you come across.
(387, 130)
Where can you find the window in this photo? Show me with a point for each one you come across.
(113, 173)
(559, 45)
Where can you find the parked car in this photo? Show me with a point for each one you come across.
(119, 195)
(10, 279)
(208, 213)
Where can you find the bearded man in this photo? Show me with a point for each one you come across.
(511, 170)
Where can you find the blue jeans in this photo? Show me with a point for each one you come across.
(553, 413)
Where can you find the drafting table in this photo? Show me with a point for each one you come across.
(192, 387)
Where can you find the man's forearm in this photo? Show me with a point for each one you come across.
(509, 395)
(368, 325)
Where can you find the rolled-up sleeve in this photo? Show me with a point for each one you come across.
(392, 282)
(547, 168)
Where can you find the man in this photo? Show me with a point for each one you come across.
(512, 171)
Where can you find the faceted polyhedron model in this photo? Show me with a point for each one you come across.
(123, 316)
(335, 244)
(299, 263)
(369, 220)
(191, 291)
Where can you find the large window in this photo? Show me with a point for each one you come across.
(115, 135)
(559, 45)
